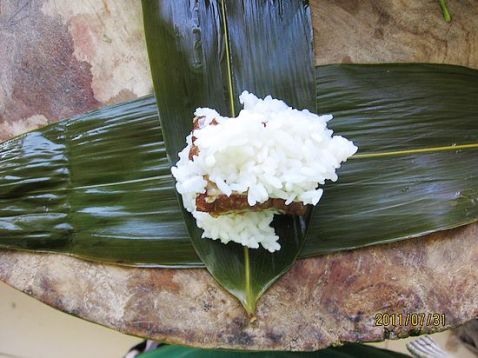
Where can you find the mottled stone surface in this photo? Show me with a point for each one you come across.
(64, 58)
(371, 31)
(321, 301)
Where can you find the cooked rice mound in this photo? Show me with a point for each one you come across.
(269, 150)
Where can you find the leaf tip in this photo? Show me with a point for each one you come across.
(249, 304)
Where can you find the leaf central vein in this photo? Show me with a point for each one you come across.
(416, 151)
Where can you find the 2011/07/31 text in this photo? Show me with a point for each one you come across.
(410, 319)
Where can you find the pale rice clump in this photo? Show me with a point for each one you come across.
(269, 150)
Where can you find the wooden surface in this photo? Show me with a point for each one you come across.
(64, 58)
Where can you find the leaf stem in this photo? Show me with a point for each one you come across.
(228, 59)
(414, 151)
(444, 10)
(249, 304)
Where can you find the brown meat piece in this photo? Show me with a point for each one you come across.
(224, 204)
(216, 203)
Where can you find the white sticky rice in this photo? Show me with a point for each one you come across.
(269, 150)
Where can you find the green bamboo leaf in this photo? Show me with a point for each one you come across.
(416, 127)
(248, 54)
(347, 351)
(98, 186)
(95, 186)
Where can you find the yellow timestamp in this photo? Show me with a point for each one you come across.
(410, 319)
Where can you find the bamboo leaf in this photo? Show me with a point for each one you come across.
(417, 131)
(250, 55)
(95, 186)
(98, 186)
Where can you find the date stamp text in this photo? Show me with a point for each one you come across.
(410, 319)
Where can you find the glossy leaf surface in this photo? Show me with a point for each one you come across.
(96, 186)
(416, 126)
(67, 187)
